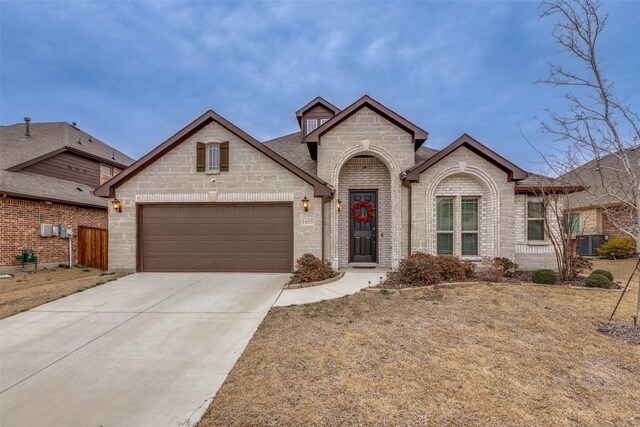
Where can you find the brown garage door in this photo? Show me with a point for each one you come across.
(246, 237)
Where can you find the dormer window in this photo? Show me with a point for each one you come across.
(312, 124)
(323, 121)
(213, 158)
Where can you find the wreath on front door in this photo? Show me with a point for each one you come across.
(355, 211)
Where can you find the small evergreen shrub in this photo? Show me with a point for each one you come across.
(604, 273)
(310, 268)
(598, 281)
(618, 247)
(545, 277)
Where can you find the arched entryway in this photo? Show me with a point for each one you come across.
(366, 174)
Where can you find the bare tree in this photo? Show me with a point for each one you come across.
(558, 223)
(597, 126)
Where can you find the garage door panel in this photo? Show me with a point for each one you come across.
(217, 238)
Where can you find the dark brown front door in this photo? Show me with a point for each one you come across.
(241, 237)
(363, 234)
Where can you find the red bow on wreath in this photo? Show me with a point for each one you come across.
(355, 211)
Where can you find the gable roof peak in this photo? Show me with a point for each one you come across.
(419, 135)
(515, 173)
(317, 100)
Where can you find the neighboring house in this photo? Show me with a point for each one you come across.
(606, 207)
(213, 198)
(48, 172)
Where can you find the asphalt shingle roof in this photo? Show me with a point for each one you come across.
(16, 148)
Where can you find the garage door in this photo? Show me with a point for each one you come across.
(246, 237)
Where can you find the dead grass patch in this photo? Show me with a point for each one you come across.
(474, 355)
(30, 289)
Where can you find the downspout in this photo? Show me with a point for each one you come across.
(406, 183)
(322, 243)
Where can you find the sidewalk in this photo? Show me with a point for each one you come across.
(353, 280)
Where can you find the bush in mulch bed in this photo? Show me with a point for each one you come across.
(545, 277)
(622, 331)
(310, 268)
(598, 281)
(421, 269)
(604, 273)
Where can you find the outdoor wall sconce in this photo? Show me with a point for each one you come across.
(117, 205)
(305, 204)
(339, 205)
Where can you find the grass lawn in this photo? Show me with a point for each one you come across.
(33, 288)
(478, 354)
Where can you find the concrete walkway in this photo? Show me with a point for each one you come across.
(149, 349)
(352, 281)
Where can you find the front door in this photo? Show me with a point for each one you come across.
(362, 229)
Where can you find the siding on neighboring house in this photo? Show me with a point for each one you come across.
(69, 167)
(20, 225)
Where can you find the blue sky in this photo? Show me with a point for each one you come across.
(134, 73)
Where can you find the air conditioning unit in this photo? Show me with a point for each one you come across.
(587, 244)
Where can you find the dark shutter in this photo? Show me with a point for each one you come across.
(201, 156)
(224, 156)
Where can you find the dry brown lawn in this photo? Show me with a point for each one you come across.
(479, 354)
(31, 289)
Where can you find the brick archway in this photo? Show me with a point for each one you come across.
(368, 149)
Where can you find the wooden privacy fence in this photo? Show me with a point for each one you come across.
(93, 247)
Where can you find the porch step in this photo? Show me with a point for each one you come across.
(363, 264)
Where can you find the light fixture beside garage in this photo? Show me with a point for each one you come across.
(339, 205)
(305, 204)
(117, 205)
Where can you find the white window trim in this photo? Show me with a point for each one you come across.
(207, 170)
(544, 219)
(103, 165)
(323, 121)
(476, 232)
(315, 122)
(457, 225)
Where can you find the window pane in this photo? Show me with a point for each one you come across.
(469, 243)
(312, 124)
(214, 157)
(535, 208)
(535, 230)
(106, 170)
(444, 214)
(575, 223)
(445, 243)
(469, 214)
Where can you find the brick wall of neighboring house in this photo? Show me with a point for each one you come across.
(617, 218)
(20, 225)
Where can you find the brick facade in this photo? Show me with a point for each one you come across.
(252, 176)
(20, 225)
(366, 173)
(366, 133)
(619, 217)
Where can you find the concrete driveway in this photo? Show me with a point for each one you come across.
(150, 349)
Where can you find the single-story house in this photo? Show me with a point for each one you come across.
(606, 207)
(48, 172)
(355, 186)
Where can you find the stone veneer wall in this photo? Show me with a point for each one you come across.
(251, 176)
(366, 133)
(464, 173)
(365, 173)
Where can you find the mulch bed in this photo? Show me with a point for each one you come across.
(622, 331)
(394, 282)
